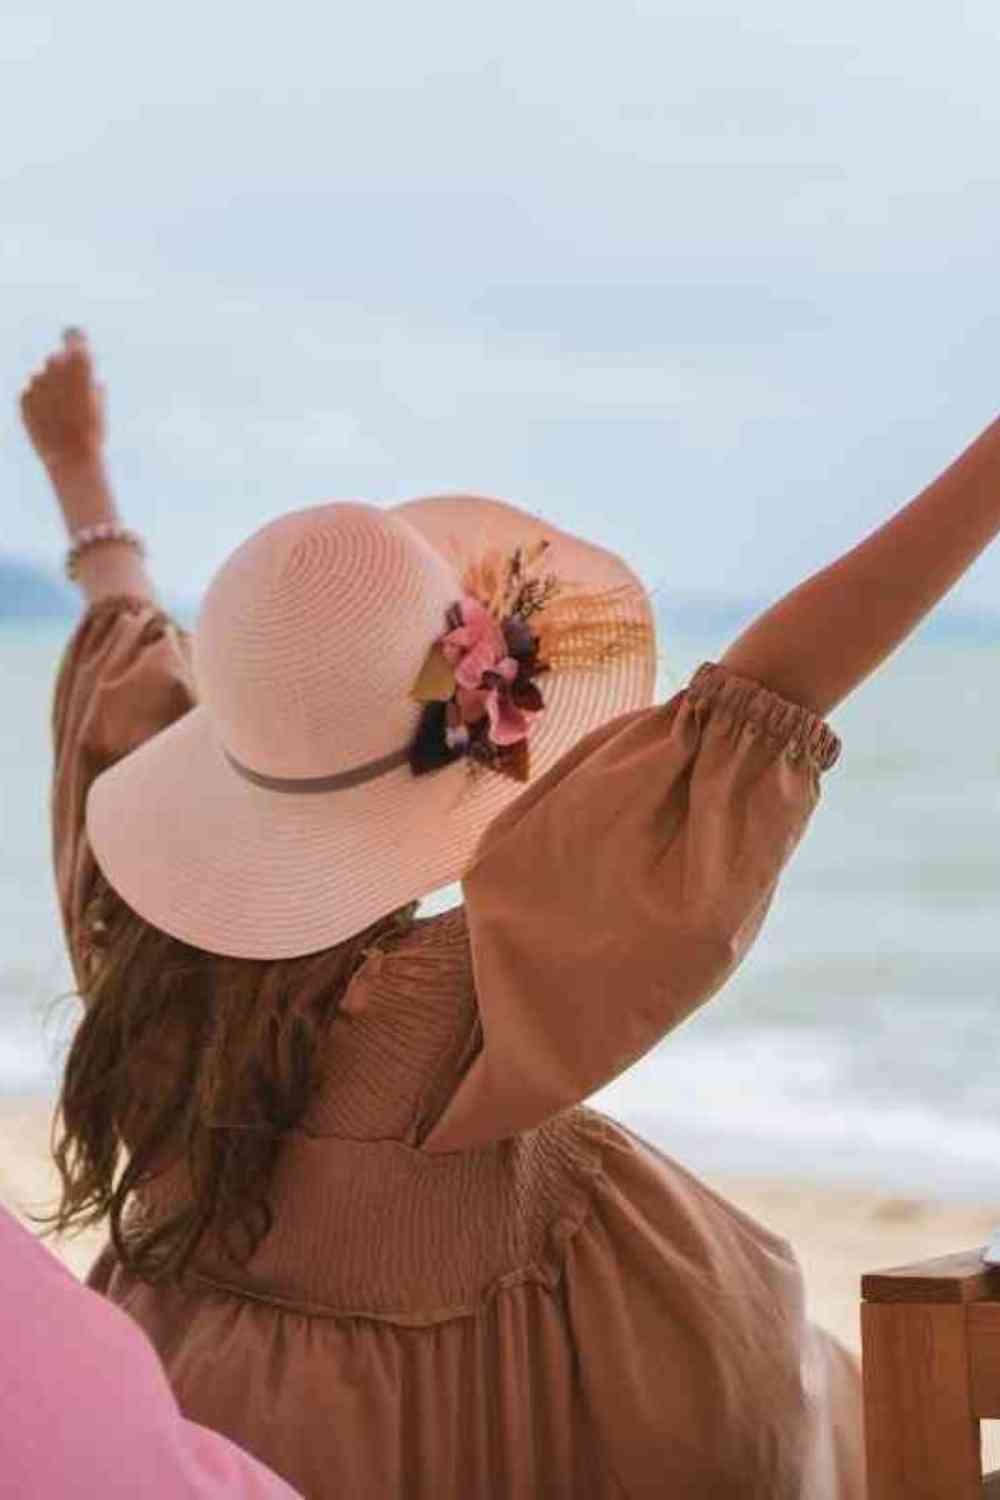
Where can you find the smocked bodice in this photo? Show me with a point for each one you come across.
(405, 1029)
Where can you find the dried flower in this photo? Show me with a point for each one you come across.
(512, 625)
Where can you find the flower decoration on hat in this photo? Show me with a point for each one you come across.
(479, 683)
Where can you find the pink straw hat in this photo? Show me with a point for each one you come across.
(283, 814)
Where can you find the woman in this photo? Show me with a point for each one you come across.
(354, 1198)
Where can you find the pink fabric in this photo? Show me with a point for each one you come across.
(85, 1409)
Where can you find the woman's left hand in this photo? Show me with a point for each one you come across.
(63, 408)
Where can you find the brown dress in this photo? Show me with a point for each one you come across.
(476, 1286)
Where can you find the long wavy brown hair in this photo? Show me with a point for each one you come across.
(186, 1057)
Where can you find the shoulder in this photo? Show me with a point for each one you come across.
(436, 944)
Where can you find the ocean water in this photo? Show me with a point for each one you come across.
(858, 1041)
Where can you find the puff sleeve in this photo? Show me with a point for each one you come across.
(622, 890)
(125, 674)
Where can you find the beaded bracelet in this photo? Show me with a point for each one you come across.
(96, 536)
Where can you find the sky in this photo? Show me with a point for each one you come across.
(715, 285)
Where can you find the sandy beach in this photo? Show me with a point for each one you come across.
(837, 1233)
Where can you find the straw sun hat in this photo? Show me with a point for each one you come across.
(324, 777)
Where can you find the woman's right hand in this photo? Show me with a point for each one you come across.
(62, 407)
(63, 410)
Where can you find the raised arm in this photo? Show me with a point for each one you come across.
(63, 411)
(820, 641)
(125, 673)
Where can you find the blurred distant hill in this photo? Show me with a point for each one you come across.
(29, 592)
(702, 615)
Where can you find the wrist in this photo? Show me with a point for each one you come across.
(113, 569)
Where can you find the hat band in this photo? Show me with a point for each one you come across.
(336, 783)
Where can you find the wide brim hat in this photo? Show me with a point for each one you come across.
(281, 814)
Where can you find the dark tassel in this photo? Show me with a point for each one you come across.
(429, 750)
(526, 695)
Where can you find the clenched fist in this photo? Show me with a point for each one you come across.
(63, 407)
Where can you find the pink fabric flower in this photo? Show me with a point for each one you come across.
(478, 649)
(477, 646)
(508, 724)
